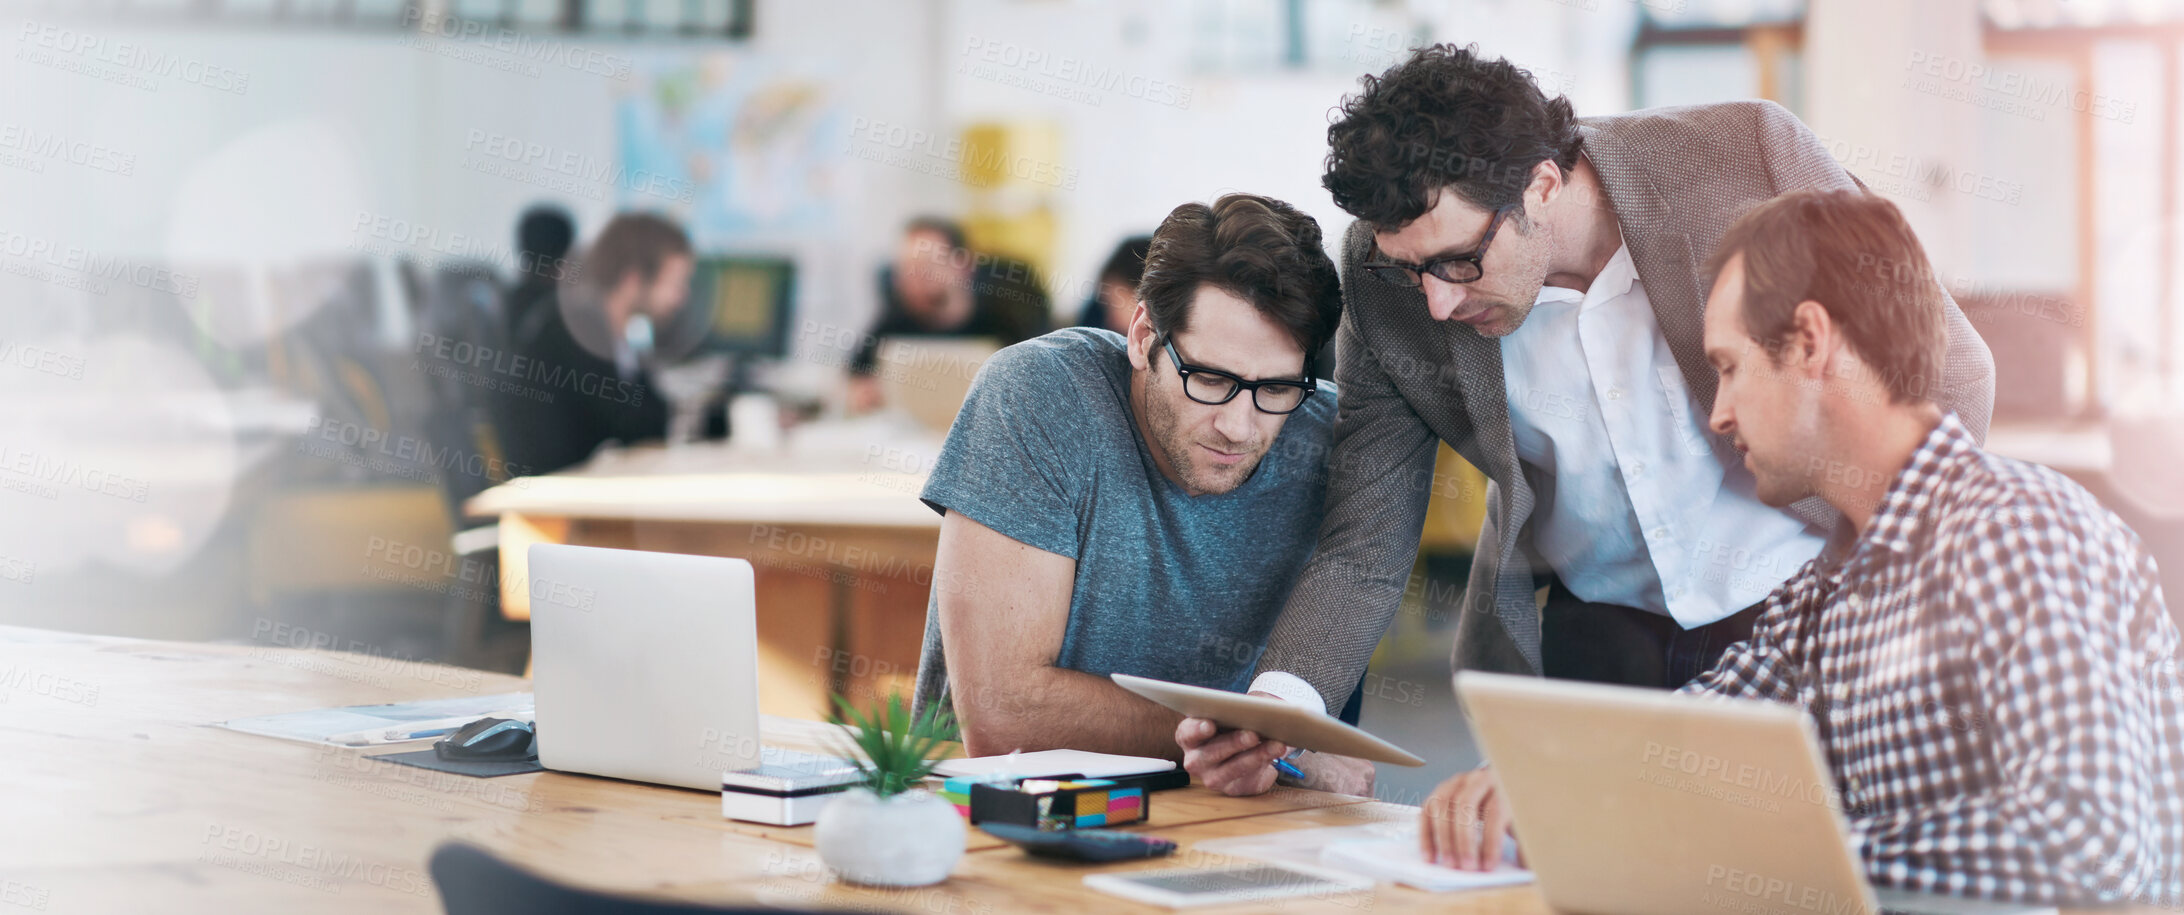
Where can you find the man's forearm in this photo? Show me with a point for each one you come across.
(1056, 708)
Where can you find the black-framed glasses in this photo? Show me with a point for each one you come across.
(1455, 268)
(1214, 387)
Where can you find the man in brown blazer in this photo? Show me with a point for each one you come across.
(1526, 286)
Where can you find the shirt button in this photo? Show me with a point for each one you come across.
(1660, 533)
(1615, 393)
(1637, 468)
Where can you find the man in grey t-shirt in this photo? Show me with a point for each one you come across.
(1138, 503)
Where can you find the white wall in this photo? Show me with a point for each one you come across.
(336, 128)
(337, 124)
(1261, 131)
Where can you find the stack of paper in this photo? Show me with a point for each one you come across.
(1381, 851)
(374, 725)
(1398, 861)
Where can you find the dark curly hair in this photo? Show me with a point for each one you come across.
(1255, 248)
(1444, 118)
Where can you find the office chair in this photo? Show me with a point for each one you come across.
(472, 881)
(462, 301)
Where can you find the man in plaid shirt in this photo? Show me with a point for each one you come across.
(1983, 646)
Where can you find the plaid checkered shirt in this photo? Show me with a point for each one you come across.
(1996, 681)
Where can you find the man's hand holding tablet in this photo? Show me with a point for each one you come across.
(1240, 763)
(1235, 763)
(1234, 743)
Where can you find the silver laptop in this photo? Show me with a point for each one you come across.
(1642, 802)
(644, 666)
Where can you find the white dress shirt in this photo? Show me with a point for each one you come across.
(1634, 507)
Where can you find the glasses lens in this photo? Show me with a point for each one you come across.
(1279, 398)
(1392, 275)
(1455, 271)
(1207, 387)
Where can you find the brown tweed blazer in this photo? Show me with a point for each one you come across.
(1677, 178)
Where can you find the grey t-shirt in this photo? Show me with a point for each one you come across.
(1046, 452)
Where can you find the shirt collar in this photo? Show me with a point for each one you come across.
(1905, 507)
(1616, 277)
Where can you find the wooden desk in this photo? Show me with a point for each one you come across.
(842, 548)
(122, 798)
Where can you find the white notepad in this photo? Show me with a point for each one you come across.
(1052, 762)
(1399, 861)
(1379, 851)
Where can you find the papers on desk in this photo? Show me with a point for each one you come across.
(1398, 861)
(375, 725)
(1381, 851)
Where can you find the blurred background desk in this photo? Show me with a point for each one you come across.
(842, 547)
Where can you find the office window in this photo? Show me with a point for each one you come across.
(1240, 35)
(538, 14)
(1695, 74)
(2128, 216)
(2030, 244)
(663, 15)
(714, 16)
(639, 18)
(606, 15)
(1732, 51)
(2100, 81)
(2172, 319)
(1348, 36)
(494, 11)
(379, 11)
(1720, 14)
(244, 10)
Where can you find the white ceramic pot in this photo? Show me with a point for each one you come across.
(911, 839)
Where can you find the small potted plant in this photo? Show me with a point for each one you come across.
(889, 831)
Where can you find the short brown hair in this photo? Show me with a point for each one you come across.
(633, 243)
(1853, 253)
(1255, 248)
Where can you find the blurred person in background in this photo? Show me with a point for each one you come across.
(580, 374)
(1114, 294)
(543, 236)
(938, 287)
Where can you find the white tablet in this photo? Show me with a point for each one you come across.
(1190, 887)
(1291, 724)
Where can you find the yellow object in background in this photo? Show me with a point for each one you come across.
(1013, 172)
(1457, 508)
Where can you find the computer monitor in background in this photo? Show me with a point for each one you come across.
(747, 301)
